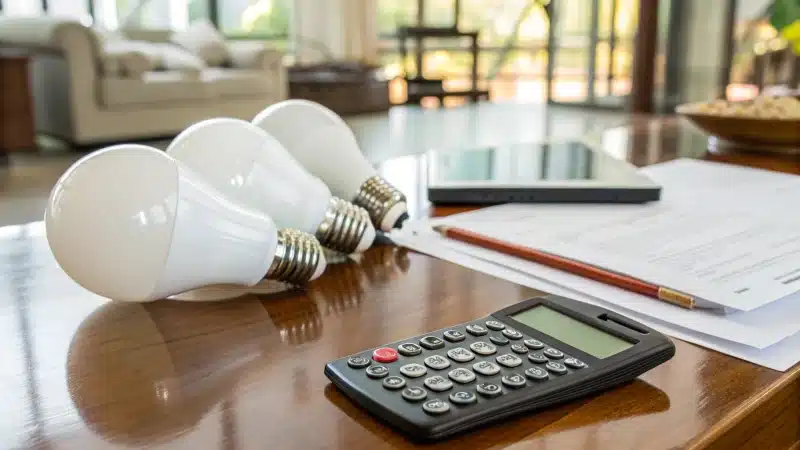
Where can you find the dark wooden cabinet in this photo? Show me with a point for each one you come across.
(16, 104)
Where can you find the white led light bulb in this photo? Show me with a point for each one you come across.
(249, 166)
(323, 143)
(131, 223)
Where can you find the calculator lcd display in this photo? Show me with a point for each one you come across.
(572, 332)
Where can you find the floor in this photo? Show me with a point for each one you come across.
(26, 182)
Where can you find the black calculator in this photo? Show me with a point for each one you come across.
(535, 354)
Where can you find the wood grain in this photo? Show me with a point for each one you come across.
(245, 373)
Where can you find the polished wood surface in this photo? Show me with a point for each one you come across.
(82, 372)
(16, 103)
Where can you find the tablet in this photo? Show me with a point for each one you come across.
(560, 172)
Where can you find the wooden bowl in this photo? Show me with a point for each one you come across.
(745, 130)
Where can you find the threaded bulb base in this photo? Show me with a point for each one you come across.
(297, 257)
(343, 227)
(377, 196)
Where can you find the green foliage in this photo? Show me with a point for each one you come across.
(784, 13)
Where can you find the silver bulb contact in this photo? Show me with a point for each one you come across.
(378, 197)
(297, 257)
(345, 228)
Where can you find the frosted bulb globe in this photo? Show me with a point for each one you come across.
(249, 166)
(323, 143)
(130, 223)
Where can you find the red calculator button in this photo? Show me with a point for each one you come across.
(384, 355)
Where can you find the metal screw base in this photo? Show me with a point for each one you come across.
(343, 226)
(377, 196)
(296, 257)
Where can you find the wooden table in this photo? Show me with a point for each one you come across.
(81, 372)
(16, 103)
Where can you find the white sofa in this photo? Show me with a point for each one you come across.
(83, 94)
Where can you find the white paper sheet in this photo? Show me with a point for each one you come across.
(779, 356)
(723, 234)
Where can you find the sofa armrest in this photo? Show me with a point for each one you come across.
(254, 55)
(45, 33)
(64, 69)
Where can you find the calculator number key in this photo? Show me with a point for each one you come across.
(489, 390)
(358, 362)
(514, 381)
(377, 372)
(512, 334)
(574, 363)
(483, 348)
(414, 394)
(413, 370)
(461, 375)
(431, 342)
(519, 348)
(537, 358)
(454, 336)
(556, 368)
(486, 368)
(463, 398)
(437, 362)
(435, 407)
(476, 330)
(409, 349)
(499, 340)
(393, 383)
(536, 373)
(495, 325)
(533, 344)
(460, 354)
(509, 360)
(438, 383)
(553, 353)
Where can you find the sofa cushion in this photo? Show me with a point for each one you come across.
(154, 87)
(237, 82)
(202, 39)
(174, 57)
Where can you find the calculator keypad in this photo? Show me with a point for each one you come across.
(470, 368)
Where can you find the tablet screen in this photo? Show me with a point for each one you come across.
(530, 164)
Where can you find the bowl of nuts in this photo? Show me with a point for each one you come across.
(763, 121)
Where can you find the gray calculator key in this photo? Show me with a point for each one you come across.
(454, 336)
(533, 344)
(476, 330)
(519, 348)
(536, 373)
(509, 360)
(489, 390)
(483, 348)
(515, 381)
(553, 353)
(409, 349)
(512, 334)
(556, 368)
(460, 354)
(574, 363)
(413, 370)
(414, 394)
(394, 383)
(431, 342)
(499, 340)
(537, 358)
(438, 383)
(435, 406)
(437, 362)
(463, 398)
(377, 371)
(486, 368)
(461, 375)
(358, 362)
(494, 325)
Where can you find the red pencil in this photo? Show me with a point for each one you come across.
(569, 265)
